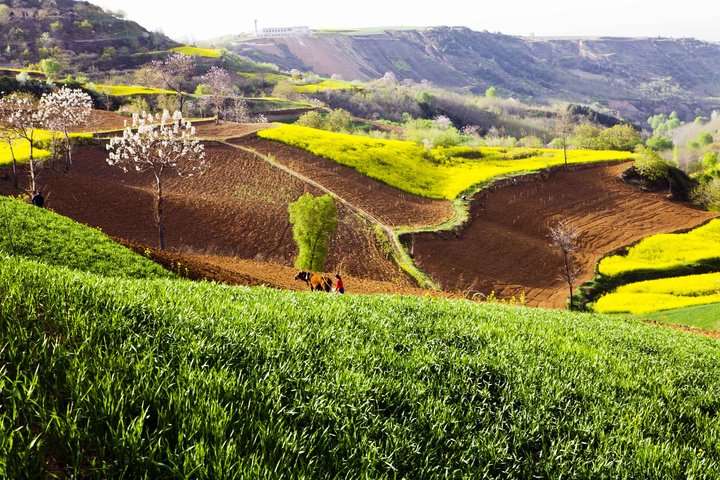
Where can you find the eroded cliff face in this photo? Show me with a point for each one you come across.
(636, 76)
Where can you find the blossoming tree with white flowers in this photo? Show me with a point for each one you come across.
(22, 117)
(158, 144)
(64, 110)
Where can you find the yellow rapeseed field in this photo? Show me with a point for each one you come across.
(442, 173)
(667, 251)
(663, 294)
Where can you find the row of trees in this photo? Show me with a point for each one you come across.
(22, 116)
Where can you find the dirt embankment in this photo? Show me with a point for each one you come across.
(505, 247)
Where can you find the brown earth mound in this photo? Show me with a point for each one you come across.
(226, 130)
(505, 248)
(238, 208)
(391, 206)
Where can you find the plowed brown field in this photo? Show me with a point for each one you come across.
(391, 206)
(505, 247)
(238, 209)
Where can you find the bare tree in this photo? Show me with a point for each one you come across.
(563, 236)
(238, 111)
(218, 86)
(564, 123)
(65, 110)
(172, 73)
(22, 117)
(158, 147)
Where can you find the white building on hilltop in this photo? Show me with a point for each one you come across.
(285, 32)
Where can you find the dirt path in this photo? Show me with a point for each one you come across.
(714, 334)
(505, 247)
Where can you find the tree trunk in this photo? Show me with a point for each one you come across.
(33, 186)
(159, 210)
(14, 166)
(568, 277)
(181, 101)
(217, 112)
(312, 254)
(565, 151)
(68, 151)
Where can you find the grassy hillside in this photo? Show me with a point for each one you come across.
(437, 173)
(41, 235)
(165, 378)
(703, 316)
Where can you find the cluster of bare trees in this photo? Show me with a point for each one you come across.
(22, 116)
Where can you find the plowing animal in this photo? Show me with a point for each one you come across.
(316, 281)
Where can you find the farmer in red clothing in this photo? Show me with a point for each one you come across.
(339, 287)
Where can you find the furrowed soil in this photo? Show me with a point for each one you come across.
(391, 206)
(505, 247)
(233, 218)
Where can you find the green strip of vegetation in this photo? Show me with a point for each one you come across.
(441, 172)
(706, 317)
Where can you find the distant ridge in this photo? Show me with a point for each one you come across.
(633, 76)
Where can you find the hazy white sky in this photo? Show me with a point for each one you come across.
(212, 18)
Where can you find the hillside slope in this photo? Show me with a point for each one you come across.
(633, 76)
(109, 377)
(77, 33)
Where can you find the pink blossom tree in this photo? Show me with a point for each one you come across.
(217, 86)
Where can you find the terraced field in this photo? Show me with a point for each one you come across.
(237, 209)
(505, 248)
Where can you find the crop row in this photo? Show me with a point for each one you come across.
(666, 251)
(662, 294)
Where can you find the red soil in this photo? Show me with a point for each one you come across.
(505, 248)
(226, 130)
(392, 206)
(102, 120)
(237, 209)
